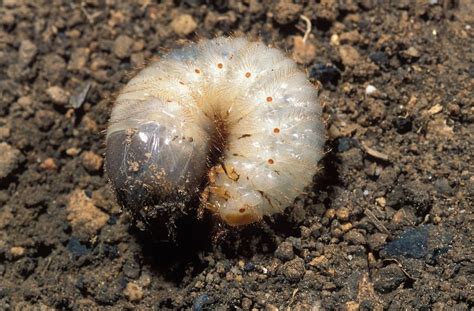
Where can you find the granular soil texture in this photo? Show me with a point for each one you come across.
(387, 224)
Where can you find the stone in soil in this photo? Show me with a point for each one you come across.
(183, 25)
(79, 58)
(27, 52)
(85, 218)
(58, 95)
(10, 158)
(351, 37)
(388, 278)
(91, 161)
(380, 58)
(133, 292)
(54, 68)
(423, 242)
(285, 12)
(123, 46)
(44, 119)
(284, 251)
(349, 55)
(294, 270)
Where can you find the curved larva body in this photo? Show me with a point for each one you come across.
(246, 100)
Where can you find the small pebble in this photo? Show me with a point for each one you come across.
(346, 227)
(380, 58)
(44, 119)
(377, 240)
(26, 266)
(27, 52)
(294, 270)
(454, 109)
(249, 267)
(144, 280)
(355, 237)
(58, 95)
(349, 55)
(76, 248)
(443, 187)
(9, 159)
(78, 59)
(11, 3)
(246, 303)
(285, 12)
(388, 278)
(352, 306)
(381, 201)
(343, 214)
(4, 132)
(48, 164)
(346, 143)
(435, 109)
(17, 251)
(86, 219)
(73, 151)
(318, 261)
(53, 68)
(137, 59)
(91, 161)
(270, 307)
(183, 25)
(403, 125)
(351, 37)
(412, 243)
(284, 251)
(200, 302)
(123, 46)
(133, 292)
(370, 89)
(411, 52)
(330, 213)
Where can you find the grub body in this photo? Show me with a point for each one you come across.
(230, 121)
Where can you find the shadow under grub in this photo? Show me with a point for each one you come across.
(195, 236)
(248, 240)
(326, 179)
(184, 257)
(181, 257)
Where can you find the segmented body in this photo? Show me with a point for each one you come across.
(235, 114)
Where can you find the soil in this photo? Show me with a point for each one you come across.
(386, 225)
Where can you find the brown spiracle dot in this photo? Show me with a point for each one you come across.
(269, 99)
(276, 130)
(270, 161)
(248, 74)
(197, 71)
(220, 66)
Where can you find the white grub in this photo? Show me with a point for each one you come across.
(248, 102)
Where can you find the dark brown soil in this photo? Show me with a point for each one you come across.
(387, 225)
